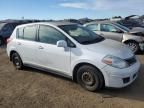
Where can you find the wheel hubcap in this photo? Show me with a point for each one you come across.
(16, 61)
(133, 46)
(87, 78)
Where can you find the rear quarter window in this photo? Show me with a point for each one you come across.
(20, 33)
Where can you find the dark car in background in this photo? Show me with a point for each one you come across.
(6, 29)
(131, 22)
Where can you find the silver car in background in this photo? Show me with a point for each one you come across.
(133, 38)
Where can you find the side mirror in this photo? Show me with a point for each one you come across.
(62, 43)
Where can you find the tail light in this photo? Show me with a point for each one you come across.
(8, 40)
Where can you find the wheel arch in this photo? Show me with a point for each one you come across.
(130, 40)
(11, 52)
(77, 66)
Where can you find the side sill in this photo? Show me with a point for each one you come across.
(48, 70)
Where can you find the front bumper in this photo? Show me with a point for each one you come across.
(141, 46)
(119, 78)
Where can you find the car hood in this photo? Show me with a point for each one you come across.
(111, 47)
(137, 30)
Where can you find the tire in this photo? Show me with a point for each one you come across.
(134, 46)
(90, 78)
(1, 41)
(17, 62)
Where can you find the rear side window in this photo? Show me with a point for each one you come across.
(29, 33)
(50, 35)
(93, 27)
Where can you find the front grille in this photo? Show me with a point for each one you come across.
(131, 61)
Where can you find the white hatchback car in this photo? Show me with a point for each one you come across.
(73, 51)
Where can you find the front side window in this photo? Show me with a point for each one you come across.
(93, 27)
(29, 33)
(81, 34)
(108, 28)
(50, 35)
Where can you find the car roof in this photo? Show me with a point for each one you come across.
(55, 23)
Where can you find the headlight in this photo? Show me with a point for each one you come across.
(115, 62)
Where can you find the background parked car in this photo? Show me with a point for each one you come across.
(131, 22)
(7, 27)
(112, 30)
(6, 30)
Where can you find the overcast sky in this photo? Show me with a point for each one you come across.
(61, 9)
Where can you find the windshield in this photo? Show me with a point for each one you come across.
(2, 25)
(123, 27)
(81, 34)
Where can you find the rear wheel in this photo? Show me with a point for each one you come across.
(134, 46)
(17, 62)
(90, 78)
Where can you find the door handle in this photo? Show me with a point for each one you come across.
(40, 47)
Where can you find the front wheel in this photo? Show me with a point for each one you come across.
(17, 62)
(134, 46)
(90, 78)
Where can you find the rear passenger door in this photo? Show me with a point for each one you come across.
(26, 43)
(111, 32)
(48, 54)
